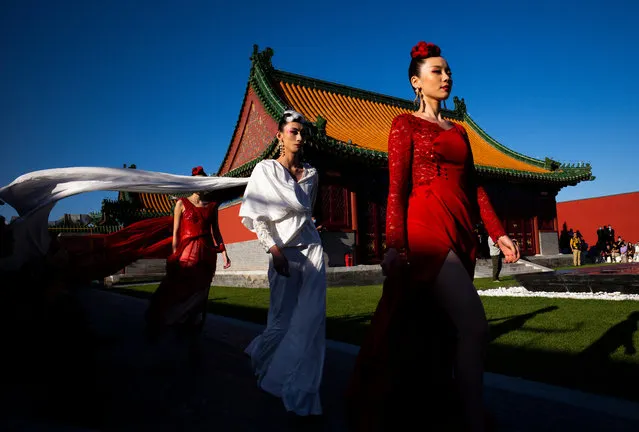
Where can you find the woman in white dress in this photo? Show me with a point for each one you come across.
(288, 357)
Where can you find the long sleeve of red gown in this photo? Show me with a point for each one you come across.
(488, 216)
(492, 223)
(399, 171)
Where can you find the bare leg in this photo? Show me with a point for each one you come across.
(455, 293)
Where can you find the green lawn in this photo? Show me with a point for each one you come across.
(585, 344)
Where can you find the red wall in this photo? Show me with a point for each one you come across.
(586, 215)
(231, 227)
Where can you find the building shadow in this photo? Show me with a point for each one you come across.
(554, 367)
(49, 354)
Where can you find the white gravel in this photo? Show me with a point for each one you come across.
(520, 291)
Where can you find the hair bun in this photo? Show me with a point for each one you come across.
(424, 50)
(293, 116)
(198, 170)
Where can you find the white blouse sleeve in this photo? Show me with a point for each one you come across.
(264, 236)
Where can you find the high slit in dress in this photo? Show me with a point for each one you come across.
(433, 206)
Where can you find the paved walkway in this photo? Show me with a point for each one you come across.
(141, 388)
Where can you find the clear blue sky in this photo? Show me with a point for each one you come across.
(159, 83)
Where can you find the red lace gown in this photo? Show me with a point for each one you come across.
(181, 297)
(433, 206)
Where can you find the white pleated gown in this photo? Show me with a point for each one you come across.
(288, 357)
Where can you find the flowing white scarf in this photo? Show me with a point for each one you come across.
(33, 195)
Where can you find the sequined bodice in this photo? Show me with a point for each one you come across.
(422, 155)
(196, 221)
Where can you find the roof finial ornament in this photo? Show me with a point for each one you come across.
(264, 57)
(460, 105)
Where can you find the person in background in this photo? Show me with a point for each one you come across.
(616, 249)
(495, 256)
(575, 246)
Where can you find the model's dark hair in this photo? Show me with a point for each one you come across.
(414, 67)
(290, 116)
(420, 52)
(198, 171)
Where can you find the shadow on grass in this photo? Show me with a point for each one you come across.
(604, 376)
(131, 292)
(515, 323)
(143, 294)
(592, 370)
(245, 313)
(350, 328)
(564, 369)
(617, 336)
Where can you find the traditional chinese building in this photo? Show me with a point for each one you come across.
(348, 146)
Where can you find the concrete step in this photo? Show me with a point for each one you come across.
(153, 270)
(145, 267)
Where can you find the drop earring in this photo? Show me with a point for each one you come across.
(418, 97)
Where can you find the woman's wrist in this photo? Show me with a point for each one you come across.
(274, 250)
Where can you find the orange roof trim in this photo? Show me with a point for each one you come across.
(157, 202)
(366, 124)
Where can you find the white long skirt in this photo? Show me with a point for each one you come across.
(288, 357)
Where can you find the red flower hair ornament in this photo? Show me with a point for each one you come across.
(424, 50)
(198, 170)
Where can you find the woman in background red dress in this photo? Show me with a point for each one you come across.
(408, 359)
(181, 298)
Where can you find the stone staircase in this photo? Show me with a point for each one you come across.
(153, 270)
(141, 271)
(146, 267)
(484, 268)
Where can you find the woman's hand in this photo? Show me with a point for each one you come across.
(510, 249)
(227, 260)
(280, 263)
(393, 260)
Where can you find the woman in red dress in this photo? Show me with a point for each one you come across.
(433, 205)
(181, 298)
